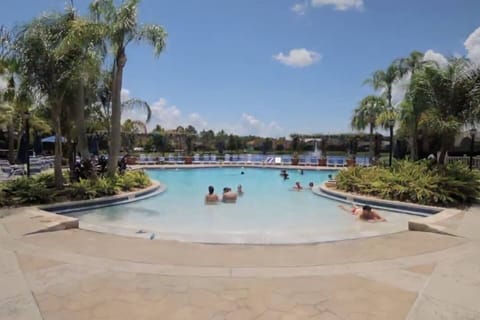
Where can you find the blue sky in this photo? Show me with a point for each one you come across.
(274, 67)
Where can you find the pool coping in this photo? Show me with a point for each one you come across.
(123, 198)
(425, 222)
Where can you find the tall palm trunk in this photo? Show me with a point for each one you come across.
(115, 136)
(11, 142)
(414, 142)
(371, 148)
(79, 119)
(58, 148)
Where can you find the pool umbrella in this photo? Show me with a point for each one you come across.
(51, 139)
(93, 144)
(22, 150)
(37, 144)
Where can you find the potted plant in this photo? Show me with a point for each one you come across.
(188, 158)
(351, 160)
(131, 160)
(295, 159)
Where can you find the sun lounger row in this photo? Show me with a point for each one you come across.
(246, 159)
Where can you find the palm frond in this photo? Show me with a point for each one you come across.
(138, 104)
(155, 35)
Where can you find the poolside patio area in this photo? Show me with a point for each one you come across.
(78, 274)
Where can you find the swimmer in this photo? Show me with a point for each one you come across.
(239, 190)
(365, 213)
(229, 195)
(297, 186)
(310, 185)
(284, 174)
(211, 197)
(242, 172)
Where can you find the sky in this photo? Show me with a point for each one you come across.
(276, 67)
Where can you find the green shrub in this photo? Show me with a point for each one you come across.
(417, 182)
(105, 187)
(40, 189)
(82, 190)
(25, 190)
(140, 178)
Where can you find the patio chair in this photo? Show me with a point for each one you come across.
(196, 159)
(331, 162)
(205, 158)
(249, 159)
(278, 161)
(170, 159)
(142, 159)
(268, 160)
(226, 158)
(8, 172)
(213, 159)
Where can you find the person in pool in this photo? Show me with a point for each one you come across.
(211, 197)
(310, 185)
(239, 190)
(297, 186)
(365, 213)
(284, 174)
(229, 195)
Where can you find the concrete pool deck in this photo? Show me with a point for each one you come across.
(79, 274)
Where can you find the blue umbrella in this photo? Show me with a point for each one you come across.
(51, 139)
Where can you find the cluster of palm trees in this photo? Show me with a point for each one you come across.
(68, 69)
(440, 101)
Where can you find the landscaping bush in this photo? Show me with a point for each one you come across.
(40, 189)
(25, 190)
(418, 182)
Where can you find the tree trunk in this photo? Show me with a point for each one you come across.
(372, 144)
(115, 137)
(11, 142)
(79, 119)
(414, 143)
(58, 149)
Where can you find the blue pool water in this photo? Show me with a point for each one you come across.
(268, 212)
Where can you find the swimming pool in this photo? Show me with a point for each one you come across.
(268, 212)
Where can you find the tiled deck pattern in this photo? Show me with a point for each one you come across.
(77, 274)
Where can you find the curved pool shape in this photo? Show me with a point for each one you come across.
(268, 212)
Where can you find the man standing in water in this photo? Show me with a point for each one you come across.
(211, 197)
(365, 213)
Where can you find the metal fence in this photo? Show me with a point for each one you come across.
(466, 160)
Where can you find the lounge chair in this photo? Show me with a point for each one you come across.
(226, 158)
(331, 162)
(8, 172)
(213, 159)
(268, 160)
(278, 160)
(196, 159)
(170, 159)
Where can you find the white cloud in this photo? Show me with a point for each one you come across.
(167, 116)
(300, 8)
(340, 5)
(472, 45)
(197, 121)
(431, 55)
(298, 58)
(399, 88)
(124, 95)
(250, 125)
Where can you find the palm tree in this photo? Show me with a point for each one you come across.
(121, 29)
(384, 80)
(410, 111)
(366, 115)
(46, 72)
(451, 98)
